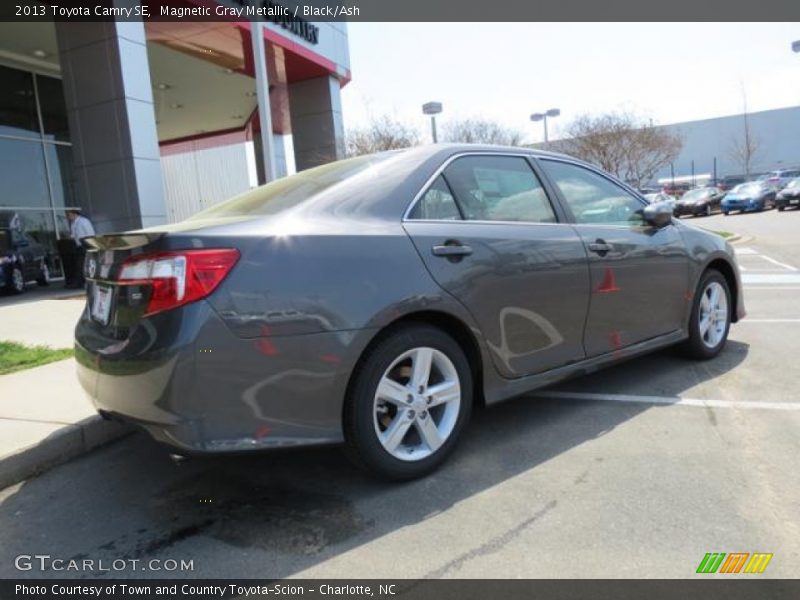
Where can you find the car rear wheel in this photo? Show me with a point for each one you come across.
(711, 317)
(408, 403)
(44, 275)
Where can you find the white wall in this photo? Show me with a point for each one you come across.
(199, 178)
(776, 131)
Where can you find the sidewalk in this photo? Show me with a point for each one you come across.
(45, 416)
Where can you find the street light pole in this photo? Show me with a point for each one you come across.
(432, 109)
(553, 112)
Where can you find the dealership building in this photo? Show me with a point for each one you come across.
(139, 124)
(710, 145)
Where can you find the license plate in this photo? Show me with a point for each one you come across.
(101, 304)
(794, 200)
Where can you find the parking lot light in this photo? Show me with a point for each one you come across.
(553, 112)
(432, 109)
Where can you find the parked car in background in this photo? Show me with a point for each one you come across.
(645, 191)
(654, 198)
(699, 201)
(22, 259)
(726, 184)
(754, 195)
(789, 195)
(677, 190)
(474, 274)
(780, 178)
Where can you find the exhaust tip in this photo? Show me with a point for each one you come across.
(178, 458)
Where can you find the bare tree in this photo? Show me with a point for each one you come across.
(475, 130)
(745, 149)
(621, 143)
(381, 133)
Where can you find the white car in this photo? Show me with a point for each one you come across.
(660, 197)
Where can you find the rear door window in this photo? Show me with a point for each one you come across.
(437, 203)
(498, 188)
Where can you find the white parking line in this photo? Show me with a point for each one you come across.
(749, 320)
(697, 402)
(745, 250)
(770, 278)
(768, 287)
(779, 263)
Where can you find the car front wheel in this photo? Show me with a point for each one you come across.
(409, 402)
(16, 281)
(711, 317)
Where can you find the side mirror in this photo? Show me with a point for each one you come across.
(658, 214)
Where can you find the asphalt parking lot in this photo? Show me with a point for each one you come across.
(636, 471)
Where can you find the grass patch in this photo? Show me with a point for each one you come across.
(15, 357)
(725, 234)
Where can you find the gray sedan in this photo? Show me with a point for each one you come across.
(374, 301)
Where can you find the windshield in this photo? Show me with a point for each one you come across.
(747, 188)
(288, 192)
(695, 195)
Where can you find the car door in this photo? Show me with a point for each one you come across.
(490, 236)
(639, 273)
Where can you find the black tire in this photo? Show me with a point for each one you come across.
(781, 208)
(16, 280)
(44, 275)
(726, 213)
(695, 347)
(361, 440)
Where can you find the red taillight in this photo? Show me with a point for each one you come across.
(178, 277)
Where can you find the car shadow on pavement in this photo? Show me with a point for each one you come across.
(56, 291)
(273, 515)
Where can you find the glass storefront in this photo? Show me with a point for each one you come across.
(36, 175)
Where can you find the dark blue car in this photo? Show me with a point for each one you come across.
(754, 195)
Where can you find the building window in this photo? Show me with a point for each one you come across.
(35, 158)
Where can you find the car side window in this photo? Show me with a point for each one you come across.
(498, 188)
(437, 203)
(591, 197)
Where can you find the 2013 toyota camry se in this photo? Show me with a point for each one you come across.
(374, 300)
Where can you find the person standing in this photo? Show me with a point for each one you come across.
(80, 227)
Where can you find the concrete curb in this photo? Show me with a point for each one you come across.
(66, 444)
(741, 238)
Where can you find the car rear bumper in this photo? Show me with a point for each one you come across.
(194, 385)
(679, 211)
(743, 205)
(786, 200)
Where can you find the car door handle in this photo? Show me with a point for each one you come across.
(601, 247)
(451, 250)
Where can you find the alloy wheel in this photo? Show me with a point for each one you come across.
(17, 280)
(713, 314)
(416, 404)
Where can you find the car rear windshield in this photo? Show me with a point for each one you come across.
(696, 194)
(747, 188)
(288, 192)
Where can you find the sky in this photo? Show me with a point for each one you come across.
(668, 72)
